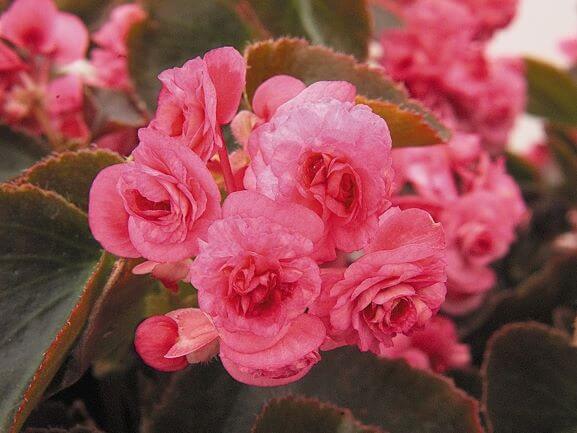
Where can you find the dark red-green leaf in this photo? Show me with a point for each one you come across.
(552, 92)
(175, 32)
(51, 271)
(70, 174)
(388, 394)
(344, 25)
(530, 380)
(307, 415)
(410, 123)
(18, 152)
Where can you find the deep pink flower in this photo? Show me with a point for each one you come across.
(199, 97)
(438, 56)
(478, 203)
(66, 104)
(153, 339)
(181, 337)
(256, 278)
(395, 288)
(436, 347)
(122, 140)
(110, 57)
(38, 27)
(322, 151)
(157, 206)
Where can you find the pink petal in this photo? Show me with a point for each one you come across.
(30, 24)
(227, 69)
(250, 204)
(106, 214)
(305, 334)
(274, 92)
(153, 338)
(9, 60)
(195, 332)
(71, 38)
(320, 91)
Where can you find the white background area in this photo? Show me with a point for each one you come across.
(536, 31)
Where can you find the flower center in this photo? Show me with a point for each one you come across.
(253, 286)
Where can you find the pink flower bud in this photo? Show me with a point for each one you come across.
(154, 338)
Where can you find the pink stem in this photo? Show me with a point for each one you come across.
(226, 168)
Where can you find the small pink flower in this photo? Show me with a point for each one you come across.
(435, 347)
(110, 57)
(154, 338)
(395, 288)
(157, 206)
(322, 151)
(66, 104)
(38, 27)
(181, 337)
(256, 278)
(169, 274)
(254, 273)
(199, 97)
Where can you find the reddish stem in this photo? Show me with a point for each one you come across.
(226, 168)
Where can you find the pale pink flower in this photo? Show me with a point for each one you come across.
(395, 288)
(436, 347)
(169, 274)
(181, 337)
(156, 206)
(199, 97)
(256, 279)
(110, 57)
(322, 151)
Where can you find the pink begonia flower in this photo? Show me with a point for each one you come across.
(395, 288)
(157, 206)
(181, 337)
(9, 60)
(322, 151)
(436, 347)
(38, 27)
(169, 274)
(437, 56)
(269, 96)
(199, 97)
(491, 15)
(65, 106)
(256, 278)
(478, 203)
(110, 58)
(284, 359)
(569, 49)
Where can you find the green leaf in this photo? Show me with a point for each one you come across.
(410, 123)
(388, 394)
(107, 342)
(70, 174)
(306, 415)
(531, 380)
(551, 92)
(344, 25)
(177, 31)
(18, 152)
(51, 271)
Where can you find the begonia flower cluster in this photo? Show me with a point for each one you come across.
(45, 70)
(311, 183)
(439, 52)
